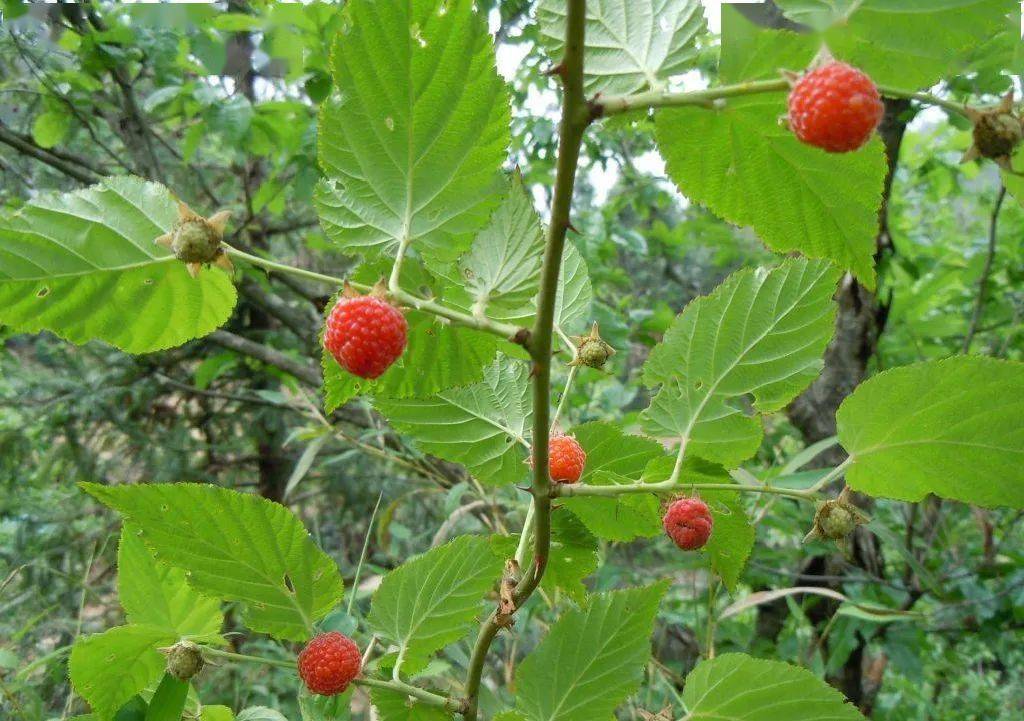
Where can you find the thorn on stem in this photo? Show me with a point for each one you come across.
(558, 70)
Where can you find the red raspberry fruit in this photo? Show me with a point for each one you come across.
(688, 522)
(329, 662)
(365, 334)
(835, 107)
(566, 459)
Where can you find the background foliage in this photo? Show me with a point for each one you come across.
(221, 103)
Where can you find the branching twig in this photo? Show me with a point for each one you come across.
(576, 116)
(615, 104)
(979, 303)
(44, 156)
(305, 373)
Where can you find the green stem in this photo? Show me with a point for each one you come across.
(245, 658)
(432, 699)
(565, 394)
(514, 333)
(289, 269)
(926, 98)
(831, 475)
(616, 104)
(576, 116)
(565, 490)
(524, 536)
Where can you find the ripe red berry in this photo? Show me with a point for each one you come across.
(835, 107)
(566, 459)
(688, 522)
(329, 662)
(365, 334)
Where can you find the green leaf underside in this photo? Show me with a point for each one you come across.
(614, 457)
(574, 294)
(236, 547)
(482, 426)
(414, 147)
(630, 44)
(592, 659)
(438, 356)
(109, 668)
(573, 555)
(500, 273)
(393, 706)
(740, 163)
(737, 687)
(732, 536)
(432, 600)
(158, 595)
(760, 334)
(950, 427)
(906, 43)
(84, 265)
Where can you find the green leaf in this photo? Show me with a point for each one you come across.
(592, 660)
(237, 547)
(746, 168)
(50, 128)
(906, 43)
(313, 707)
(432, 600)
(438, 356)
(732, 535)
(630, 44)
(260, 713)
(500, 274)
(574, 294)
(624, 517)
(414, 147)
(736, 687)
(216, 713)
(950, 427)
(392, 706)
(759, 334)
(85, 266)
(750, 52)
(157, 595)
(107, 669)
(614, 457)
(482, 426)
(168, 701)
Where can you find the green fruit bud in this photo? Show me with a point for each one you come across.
(997, 134)
(835, 521)
(184, 660)
(594, 353)
(195, 241)
(591, 351)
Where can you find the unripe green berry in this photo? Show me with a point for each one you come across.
(195, 241)
(997, 134)
(184, 660)
(835, 521)
(594, 353)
